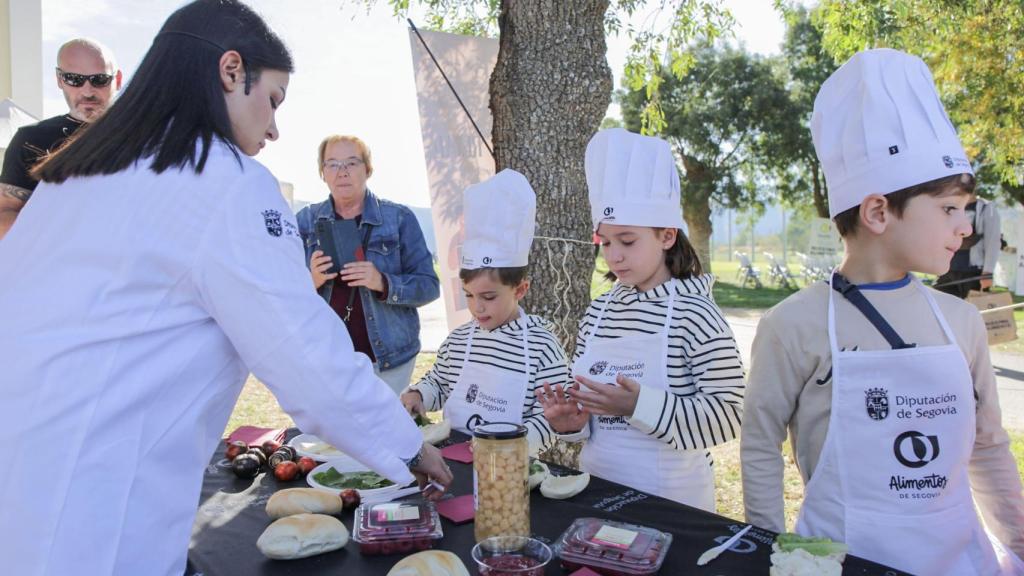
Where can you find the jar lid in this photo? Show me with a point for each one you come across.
(499, 430)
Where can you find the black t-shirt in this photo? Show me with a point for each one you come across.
(30, 144)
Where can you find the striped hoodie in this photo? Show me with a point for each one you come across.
(704, 404)
(501, 348)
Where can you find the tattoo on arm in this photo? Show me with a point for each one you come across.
(18, 195)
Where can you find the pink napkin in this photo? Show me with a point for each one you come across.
(254, 436)
(458, 452)
(584, 572)
(459, 509)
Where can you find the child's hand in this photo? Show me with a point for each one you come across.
(563, 414)
(607, 399)
(413, 402)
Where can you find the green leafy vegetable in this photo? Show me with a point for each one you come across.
(789, 542)
(357, 480)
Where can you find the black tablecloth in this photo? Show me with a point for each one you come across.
(231, 517)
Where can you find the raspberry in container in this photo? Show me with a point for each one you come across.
(612, 548)
(396, 527)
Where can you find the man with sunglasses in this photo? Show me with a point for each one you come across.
(88, 77)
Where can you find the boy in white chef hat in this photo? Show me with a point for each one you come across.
(488, 368)
(885, 387)
(657, 372)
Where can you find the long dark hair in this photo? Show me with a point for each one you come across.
(681, 259)
(176, 95)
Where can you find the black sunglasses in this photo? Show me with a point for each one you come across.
(78, 80)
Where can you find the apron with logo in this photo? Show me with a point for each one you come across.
(892, 479)
(487, 392)
(684, 476)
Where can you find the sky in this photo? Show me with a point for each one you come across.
(353, 75)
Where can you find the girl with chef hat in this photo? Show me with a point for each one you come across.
(658, 376)
(488, 369)
(885, 387)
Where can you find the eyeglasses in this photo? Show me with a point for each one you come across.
(78, 80)
(347, 165)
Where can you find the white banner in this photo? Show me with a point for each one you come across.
(455, 155)
(825, 246)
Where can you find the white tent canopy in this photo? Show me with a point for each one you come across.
(12, 117)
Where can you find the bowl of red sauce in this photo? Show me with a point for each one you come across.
(511, 556)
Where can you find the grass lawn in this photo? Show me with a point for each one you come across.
(727, 290)
(257, 406)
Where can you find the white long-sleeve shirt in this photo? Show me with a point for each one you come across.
(985, 253)
(132, 307)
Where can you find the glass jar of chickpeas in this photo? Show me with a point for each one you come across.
(501, 466)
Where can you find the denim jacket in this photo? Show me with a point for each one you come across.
(397, 248)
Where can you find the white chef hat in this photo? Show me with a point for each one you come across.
(878, 127)
(632, 180)
(500, 215)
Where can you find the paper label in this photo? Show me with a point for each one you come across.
(396, 512)
(615, 537)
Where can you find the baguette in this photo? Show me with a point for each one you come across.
(303, 501)
(301, 536)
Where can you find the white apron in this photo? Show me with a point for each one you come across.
(684, 476)
(493, 394)
(892, 478)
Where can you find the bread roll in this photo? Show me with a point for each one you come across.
(302, 535)
(430, 563)
(303, 501)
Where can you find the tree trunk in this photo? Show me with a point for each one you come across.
(696, 192)
(820, 196)
(550, 90)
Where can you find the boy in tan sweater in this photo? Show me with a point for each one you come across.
(884, 386)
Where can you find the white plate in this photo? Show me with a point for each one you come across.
(344, 465)
(315, 448)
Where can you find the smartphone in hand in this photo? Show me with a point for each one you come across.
(339, 239)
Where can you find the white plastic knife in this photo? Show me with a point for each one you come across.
(713, 553)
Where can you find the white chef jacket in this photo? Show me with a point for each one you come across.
(132, 307)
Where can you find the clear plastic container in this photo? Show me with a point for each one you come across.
(396, 527)
(511, 556)
(501, 468)
(612, 548)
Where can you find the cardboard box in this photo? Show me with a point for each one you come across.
(1000, 325)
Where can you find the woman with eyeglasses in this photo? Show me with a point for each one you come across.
(368, 259)
(155, 268)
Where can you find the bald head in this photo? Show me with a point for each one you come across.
(83, 63)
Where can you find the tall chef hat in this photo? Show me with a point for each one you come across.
(632, 180)
(878, 127)
(500, 215)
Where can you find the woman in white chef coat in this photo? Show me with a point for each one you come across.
(156, 266)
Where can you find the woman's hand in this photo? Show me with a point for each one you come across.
(607, 399)
(563, 414)
(363, 274)
(432, 468)
(319, 264)
(413, 402)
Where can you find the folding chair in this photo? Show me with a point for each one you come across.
(747, 272)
